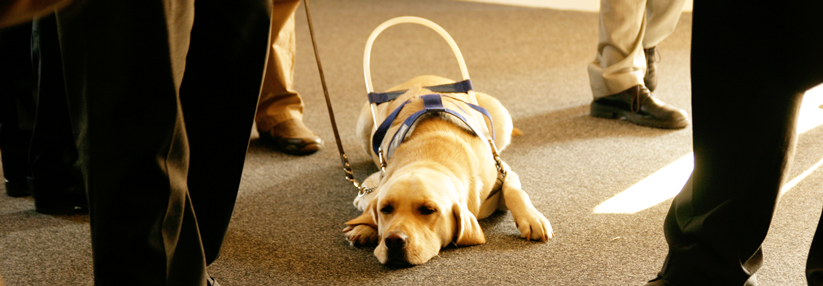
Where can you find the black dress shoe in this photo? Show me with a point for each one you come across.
(638, 106)
(659, 281)
(292, 137)
(652, 57)
(63, 201)
(17, 188)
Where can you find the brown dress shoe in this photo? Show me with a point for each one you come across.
(292, 137)
(638, 106)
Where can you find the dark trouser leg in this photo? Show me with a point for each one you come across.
(814, 264)
(121, 84)
(745, 105)
(219, 96)
(55, 181)
(124, 63)
(16, 106)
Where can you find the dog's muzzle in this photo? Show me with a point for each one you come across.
(396, 242)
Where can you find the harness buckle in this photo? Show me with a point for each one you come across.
(382, 159)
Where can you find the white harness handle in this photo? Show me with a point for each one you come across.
(411, 20)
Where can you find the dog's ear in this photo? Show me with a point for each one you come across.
(468, 230)
(369, 216)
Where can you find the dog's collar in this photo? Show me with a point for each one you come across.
(457, 87)
(431, 103)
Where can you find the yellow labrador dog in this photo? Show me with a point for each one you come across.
(439, 181)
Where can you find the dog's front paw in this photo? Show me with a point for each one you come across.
(533, 226)
(360, 235)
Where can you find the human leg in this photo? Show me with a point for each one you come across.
(619, 63)
(814, 262)
(127, 91)
(218, 96)
(661, 19)
(280, 110)
(16, 107)
(616, 75)
(744, 135)
(123, 63)
(55, 181)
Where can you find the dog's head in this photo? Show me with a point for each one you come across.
(418, 213)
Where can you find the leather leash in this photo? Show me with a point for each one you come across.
(343, 158)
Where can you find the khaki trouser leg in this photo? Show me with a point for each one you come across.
(626, 28)
(278, 100)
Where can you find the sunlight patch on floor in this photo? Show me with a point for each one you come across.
(660, 186)
(667, 182)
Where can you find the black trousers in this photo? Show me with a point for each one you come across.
(751, 64)
(162, 96)
(16, 104)
(53, 156)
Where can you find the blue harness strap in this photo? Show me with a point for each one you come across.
(380, 134)
(431, 103)
(457, 87)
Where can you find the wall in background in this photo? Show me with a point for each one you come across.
(580, 5)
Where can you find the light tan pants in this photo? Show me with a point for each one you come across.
(278, 100)
(626, 28)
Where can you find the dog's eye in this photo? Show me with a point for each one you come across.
(426, 210)
(387, 209)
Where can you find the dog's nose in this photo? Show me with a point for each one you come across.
(396, 240)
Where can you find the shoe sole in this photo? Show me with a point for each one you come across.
(608, 112)
(298, 150)
(292, 149)
(17, 190)
(58, 207)
(17, 193)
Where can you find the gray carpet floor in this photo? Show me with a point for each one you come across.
(286, 228)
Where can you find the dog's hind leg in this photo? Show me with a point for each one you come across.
(365, 124)
(503, 126)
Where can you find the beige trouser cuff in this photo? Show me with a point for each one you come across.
(278, 100)
(626, 28)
